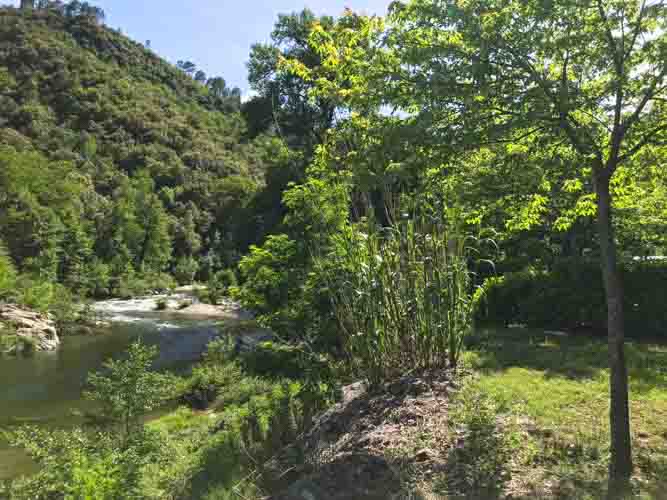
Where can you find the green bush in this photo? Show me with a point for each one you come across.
(161, 282)
(407, 298)
(219, 284)
(646, 295)
(185, 270)
(79, 464)
(128, 389)
(99, 279)
(571, 296)
(64, 308)
(479, 460)
(271, 359)
(269, 273)
(206, 383)
(275, 361)
(35, 293)
(131, 285)
(203, 295)
(47, 296)
(7, 274)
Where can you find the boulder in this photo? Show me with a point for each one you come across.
(37, 329)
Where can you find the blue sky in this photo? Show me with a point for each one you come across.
(214, 34)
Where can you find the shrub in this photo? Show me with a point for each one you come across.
(219, 284)
(7, 274)
(35, 293)
(273, 285)
(207, 381)
(185, 270)
(99, 279)
(160, 282)
(268, 273)
(271, 359)
(78, 464)
(220, 350)
(127, 389)
(571, 296)
(63, 307)
(479, 459)
(131, 285)
(406, 299)
(645, 287)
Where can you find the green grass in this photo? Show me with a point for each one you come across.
(558, 388)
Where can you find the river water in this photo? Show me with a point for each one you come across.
(46, 388)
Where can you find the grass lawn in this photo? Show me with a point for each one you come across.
(555, 391)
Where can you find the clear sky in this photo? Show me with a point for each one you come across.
(214, 34)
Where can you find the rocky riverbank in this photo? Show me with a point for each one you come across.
(182, 304)
(26, 330)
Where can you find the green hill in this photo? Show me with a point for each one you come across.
(115, 166)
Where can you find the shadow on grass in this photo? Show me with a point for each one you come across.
(222, 470)
(572, 357)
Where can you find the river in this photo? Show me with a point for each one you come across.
(46, 387)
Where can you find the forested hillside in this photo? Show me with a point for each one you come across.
(117, 167)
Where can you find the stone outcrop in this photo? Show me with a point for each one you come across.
(37, 329)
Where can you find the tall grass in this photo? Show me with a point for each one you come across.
(402, 295)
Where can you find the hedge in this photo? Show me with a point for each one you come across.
(571, 297)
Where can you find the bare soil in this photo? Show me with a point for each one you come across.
(368, 447)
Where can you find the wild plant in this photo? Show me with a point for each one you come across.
(402, 295)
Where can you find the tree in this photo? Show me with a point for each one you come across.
(77, 251)
(128, 389)
(301, 121)
(27, 4)
(7, 274)
(153, 253)
(96, 14)
(39, 201)
(227, 99)
(188, 67)
(218, 87)
(589, 75)
(188, 241)
(200, 76)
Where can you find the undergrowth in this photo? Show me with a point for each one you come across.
(231, 423)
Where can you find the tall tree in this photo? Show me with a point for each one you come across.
(300, 120)
(200, 76)
(187, 67)
(227, 98)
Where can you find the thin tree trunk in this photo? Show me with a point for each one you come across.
(620, 467)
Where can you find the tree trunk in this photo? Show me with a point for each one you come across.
(620, 467)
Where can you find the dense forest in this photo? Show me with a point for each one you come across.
(393, 187)
(119, 169)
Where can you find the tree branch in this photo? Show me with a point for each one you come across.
(618, 63)
(650, 93)
(647, 139)
(563, 116)
(635, 35)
